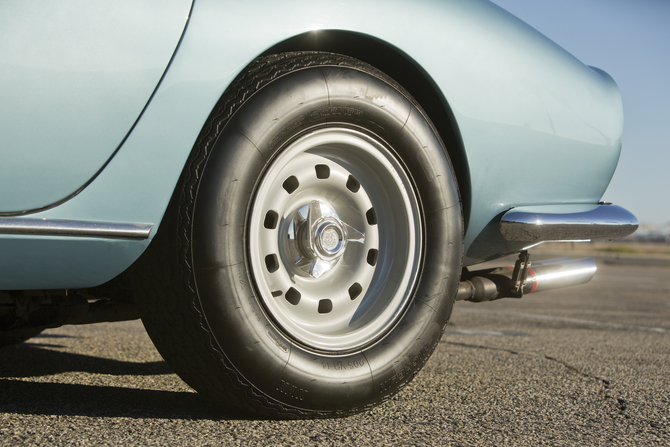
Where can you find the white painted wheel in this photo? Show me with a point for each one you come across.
(335, 239)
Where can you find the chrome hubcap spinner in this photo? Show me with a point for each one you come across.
(318, 238)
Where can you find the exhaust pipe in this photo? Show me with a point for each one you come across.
(493, 284)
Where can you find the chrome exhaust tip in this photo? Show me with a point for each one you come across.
(494, 284)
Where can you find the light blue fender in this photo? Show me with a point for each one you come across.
(537, 126)
(75, 75)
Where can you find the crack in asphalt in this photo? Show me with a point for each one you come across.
(621, 404)
(605, 393)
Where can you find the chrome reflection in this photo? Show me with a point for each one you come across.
(57, 227)
(494, 284)
(317, 238)
(567, 223)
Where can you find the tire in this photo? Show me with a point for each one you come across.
(308, 261)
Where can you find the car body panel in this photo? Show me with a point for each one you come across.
(64, 262)
(537, 126)
(75, 77)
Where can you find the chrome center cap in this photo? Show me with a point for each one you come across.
(317, 238)
(330, 239)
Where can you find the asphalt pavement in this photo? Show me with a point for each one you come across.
(588, 365)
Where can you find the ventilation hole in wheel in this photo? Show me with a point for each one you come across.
(355, 290)
(325, 306)
(271, 219)
(277, 293)
(372, 257)
(272, 263)
(322, 171)
(293, 296)
(291, 184)
(371, 215)
(352, 184)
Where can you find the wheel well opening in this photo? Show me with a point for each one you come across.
(407, 73)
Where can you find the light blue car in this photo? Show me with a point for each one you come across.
(290, 194)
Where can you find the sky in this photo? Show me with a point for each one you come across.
(629, 39)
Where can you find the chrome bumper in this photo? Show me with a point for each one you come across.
(550, 223)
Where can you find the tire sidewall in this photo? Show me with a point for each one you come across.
(270, 361)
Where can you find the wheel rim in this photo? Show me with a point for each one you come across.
(335, 240)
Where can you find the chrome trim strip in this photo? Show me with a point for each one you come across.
(578, 222)
(56, 227)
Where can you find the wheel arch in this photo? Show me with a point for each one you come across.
(408, 73)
